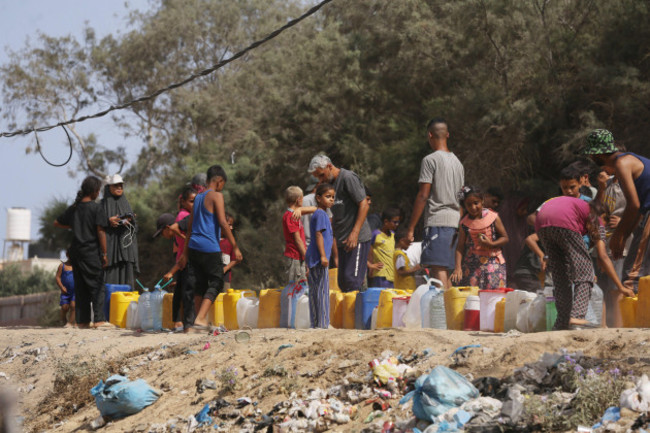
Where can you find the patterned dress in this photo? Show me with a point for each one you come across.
(482, 267)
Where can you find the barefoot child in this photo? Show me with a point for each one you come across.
(479, 260)
(205, 273)
(65, 281)
(404, 271)
(294, 237)
(318, 256)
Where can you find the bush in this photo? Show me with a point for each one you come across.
(14, 282)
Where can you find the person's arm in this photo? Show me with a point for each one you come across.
(101, 236)
(320, 243)
(530, 219)
(408, 271)
(335, 254)
(603, 177)
(501, 240)
(229, 266)
(631, 215)
(57, 224)
(353, 239)
(59, 283)
(176, 230)
(418, 207)
(607, 266)
(182, 261)
(532, 242)
(169, 275)
(299, 212)
(219, 209)
(301, 247)
(457, 275)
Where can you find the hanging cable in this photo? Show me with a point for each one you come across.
(40, 151)
(172, 86)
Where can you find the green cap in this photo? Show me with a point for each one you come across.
(599, 141)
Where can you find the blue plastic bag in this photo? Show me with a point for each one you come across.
(119, 397)
(437, 392)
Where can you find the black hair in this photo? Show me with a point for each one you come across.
(401, 233)
(186, 193)
(570, 172)
(390, 213)
(89, 186)
(596, 210)
(467, 191)
(229, 216)
(323, 188)
(435, 121)
(495, 191)
(216, 171)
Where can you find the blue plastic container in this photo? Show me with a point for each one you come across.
(288, 301)
(365, 303)
(110, 289)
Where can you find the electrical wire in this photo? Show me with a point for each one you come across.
(172, 86)
(38, 148)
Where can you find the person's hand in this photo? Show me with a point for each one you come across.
(297, 213)
(613, 221)
(375, 266)
(168, 276)
(484, 241)
(626, 291)
(324, 262)
(456, 276)
(617, 244)
(237, 254)
(409, 235)
(64, 290)
(416, 268)
(114, 221)
(182, 261)
(104, 261)
(352, 241)
(544, 263)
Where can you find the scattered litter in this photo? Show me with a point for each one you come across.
(3, 374)
(203, 384)
(206, 346)
(119, 397)
(638, 397)
(191, 352)
(282, 347)
(242, 337)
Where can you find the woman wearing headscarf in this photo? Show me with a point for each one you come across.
(121, 240)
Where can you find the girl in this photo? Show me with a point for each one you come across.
(121, 242)
(88, 255)
(561, 224)
(65, 281)
(479, 260)
(226, 255)
(318, 256)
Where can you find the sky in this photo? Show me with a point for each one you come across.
(27, 181)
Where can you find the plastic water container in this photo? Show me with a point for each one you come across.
(489, 299)
(413, 314)
(385, 307)
(270, 311)
(145, 310)
(120, 302)
(157, 297)
(334, 280)
(551, 313)
(215, 315)
(522, 312)
(373, 318)
(455, 299)
(643, 304)
(288, 300)
(399, 308)
(132, 317)
(629, 310)
(230, 307)
(109, 289)
(499, 315)
(432, 306)
(366, 301)
(513, 299)
(336, 309)
(302, 313)
(167, 310)
(349, 308)
(472, 313)
(247, 311)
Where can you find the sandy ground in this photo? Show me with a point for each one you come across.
(32, 358)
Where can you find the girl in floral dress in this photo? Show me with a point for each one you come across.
(479, 260)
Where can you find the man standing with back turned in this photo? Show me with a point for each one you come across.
(441, 177)
(351, 230)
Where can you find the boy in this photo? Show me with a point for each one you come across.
(226, 253)
(633, 173)
(294, 237)
(382, 246)
(492, 198)
(404, 272)
(202, 249)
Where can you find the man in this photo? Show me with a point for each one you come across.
(349, 212)
(441, 177)
(633, 173)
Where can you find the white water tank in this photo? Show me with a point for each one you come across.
(19, 222)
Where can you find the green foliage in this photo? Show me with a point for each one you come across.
(15, 282)
(53, 238)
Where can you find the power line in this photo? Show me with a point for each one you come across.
(172, 86)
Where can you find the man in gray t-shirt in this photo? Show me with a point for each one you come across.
(441, 177)
(349, 224)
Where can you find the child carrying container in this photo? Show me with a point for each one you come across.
(479, 259)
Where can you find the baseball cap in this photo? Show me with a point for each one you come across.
(599, 142)
(164, 220)
(114, 180)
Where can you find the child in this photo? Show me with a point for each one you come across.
(382, 246)
(88, 255)
(404, 272)
(479, 260)
(226, 254)
(318, 256)
(205, 272)
(561, 224)
(294, 237)
(65, 281)
(633, 173)
(492, 198)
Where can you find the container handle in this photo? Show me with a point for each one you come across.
(435, 282)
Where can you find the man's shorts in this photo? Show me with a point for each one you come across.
(205, 274)
(439, 247)
(295, 270)
(67, 298)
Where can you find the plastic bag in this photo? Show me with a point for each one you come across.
(302, 319)
(537, 314)
(413, 315)
(439, 391)
(119, 397)
(637, 398)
